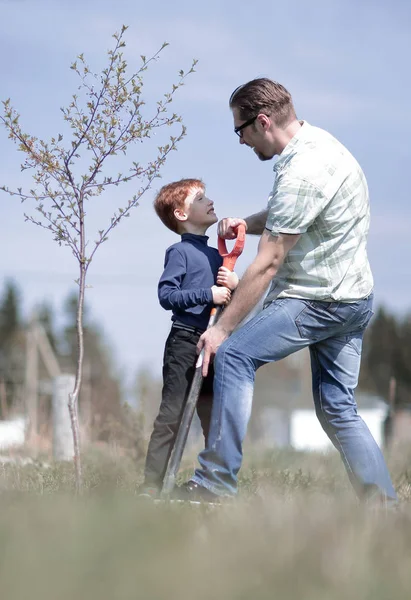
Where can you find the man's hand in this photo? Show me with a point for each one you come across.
(210, 341)
(227, 228)
(221, 295)
(227, 278)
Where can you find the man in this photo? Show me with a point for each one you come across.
(313, 250)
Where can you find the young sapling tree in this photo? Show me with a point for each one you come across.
(105, 118)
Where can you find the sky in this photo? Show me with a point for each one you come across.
(345, 63)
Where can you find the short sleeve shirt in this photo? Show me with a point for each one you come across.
(321, 193)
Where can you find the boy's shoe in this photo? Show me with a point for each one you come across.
(195, 494)
(148, 492)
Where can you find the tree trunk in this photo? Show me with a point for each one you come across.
(73, 398)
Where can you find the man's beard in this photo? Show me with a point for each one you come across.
(259, 154)
(262, 156)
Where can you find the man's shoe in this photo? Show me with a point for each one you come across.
(147, 492)
(195, 494)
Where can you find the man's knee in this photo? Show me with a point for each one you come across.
(231, 352)
(334, 419)
(233, 364)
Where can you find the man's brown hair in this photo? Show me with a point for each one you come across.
(263, 96)
(171, 197)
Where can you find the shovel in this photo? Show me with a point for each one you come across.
(229, 260)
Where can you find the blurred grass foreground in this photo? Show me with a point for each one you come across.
(295, 532)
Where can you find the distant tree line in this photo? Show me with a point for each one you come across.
(386, 355)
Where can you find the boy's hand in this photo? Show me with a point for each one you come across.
(227, 278)
(221, 295)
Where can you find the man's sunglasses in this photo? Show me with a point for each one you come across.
(239, 130)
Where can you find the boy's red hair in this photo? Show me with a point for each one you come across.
(171, 197)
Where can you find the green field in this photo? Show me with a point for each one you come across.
(295, 532)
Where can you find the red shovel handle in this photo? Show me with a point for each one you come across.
(231, 257)
(229, 260)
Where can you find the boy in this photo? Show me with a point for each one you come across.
(187, 288)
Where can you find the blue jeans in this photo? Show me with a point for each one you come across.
(333, 331)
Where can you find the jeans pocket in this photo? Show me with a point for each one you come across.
(317, 318)
(179, 342)
(355, 337)
(363, 320)
(178, 335)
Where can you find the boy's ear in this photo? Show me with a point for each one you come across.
(180, 215)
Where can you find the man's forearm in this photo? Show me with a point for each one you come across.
(249, 291)
(256, 223)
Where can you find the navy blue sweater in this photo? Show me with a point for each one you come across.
(190, 269)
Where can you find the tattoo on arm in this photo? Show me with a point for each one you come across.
(256, 223)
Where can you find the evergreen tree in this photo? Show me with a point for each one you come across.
(403, 366)
(46, 319)
(12, 346)
(9, 313)
(387, 353)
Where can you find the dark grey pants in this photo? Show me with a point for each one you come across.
(178, 370)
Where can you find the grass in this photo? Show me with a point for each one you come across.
(296, 532)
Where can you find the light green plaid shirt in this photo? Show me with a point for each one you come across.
(321, 193)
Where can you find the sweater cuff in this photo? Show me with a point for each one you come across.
(208, 296)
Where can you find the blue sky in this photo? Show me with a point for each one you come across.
(344, 62)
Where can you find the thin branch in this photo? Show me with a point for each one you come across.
(79, 142)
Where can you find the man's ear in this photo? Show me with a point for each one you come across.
(264, 121)
(180, 215)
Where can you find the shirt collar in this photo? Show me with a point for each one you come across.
(194, 237)
(296, 141)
